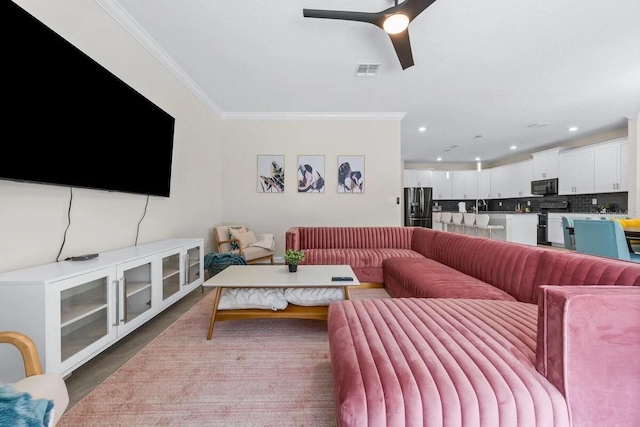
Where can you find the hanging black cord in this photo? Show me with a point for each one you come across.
(64, 238)
(139, 222)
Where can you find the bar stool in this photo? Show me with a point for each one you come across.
(445, 218)
(469, 224)
(457, 218)
(436, 221)
(482, 223)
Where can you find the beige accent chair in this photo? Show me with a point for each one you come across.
(252, 254)
(37, 384)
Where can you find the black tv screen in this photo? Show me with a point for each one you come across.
(69, 121)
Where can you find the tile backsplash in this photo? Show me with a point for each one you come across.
(581, 203)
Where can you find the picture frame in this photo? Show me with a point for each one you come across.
(311, 177)
(351, 176)
(270, 173)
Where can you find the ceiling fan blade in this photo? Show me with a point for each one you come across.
(413, 8)
(372, 18)
(402, 45)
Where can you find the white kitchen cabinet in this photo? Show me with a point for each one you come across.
(73, 310)
(555, 233)
(576, 169)
(484, 184)
(417, 178)
(521, 177)
(442, 185)
(464, 184)
(611, 166)
(501, 182)
(545, 164)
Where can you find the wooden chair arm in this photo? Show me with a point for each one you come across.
(27, 348)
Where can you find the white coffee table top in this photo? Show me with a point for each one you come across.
(278, 276)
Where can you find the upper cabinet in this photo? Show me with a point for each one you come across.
(545, 164)
(612, 166)
(484, 184)
(417, 178)
(465, 184)
(521, 177)
(576, 171)
(501, 182)
(442, 186)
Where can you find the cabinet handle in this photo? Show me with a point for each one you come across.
(614, 185)
(117, 283)
(124, 299)
(617, 186)
(186, 270)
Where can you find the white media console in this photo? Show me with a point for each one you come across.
(73, 310)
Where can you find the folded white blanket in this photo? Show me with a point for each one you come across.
(313, 296)
(241, 298)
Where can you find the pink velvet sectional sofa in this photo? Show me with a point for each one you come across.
(480, 332)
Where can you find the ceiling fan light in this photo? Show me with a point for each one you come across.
(396, 23)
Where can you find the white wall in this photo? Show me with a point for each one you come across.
(33, 217)
(634, 167)
(377, 140)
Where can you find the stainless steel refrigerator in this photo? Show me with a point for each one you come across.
(417, 207)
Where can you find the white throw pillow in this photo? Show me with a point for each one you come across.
(245, 298)
(310, 297)
(246, 239)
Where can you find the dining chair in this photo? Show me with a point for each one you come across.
(603, 238)
(569, 238)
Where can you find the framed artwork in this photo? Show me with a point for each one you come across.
(311, 174)
(270, 173)
(350, 174)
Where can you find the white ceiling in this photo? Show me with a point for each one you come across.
(490, 68)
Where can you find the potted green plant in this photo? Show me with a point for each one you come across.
(293, 258)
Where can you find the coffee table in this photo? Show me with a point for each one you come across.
(277, 276)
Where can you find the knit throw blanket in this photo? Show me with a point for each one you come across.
(19, 409)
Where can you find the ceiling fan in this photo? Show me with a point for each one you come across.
(394, 20)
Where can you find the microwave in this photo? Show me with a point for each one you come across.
(544, 187)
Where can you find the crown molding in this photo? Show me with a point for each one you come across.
(313, 116)
(115, 10)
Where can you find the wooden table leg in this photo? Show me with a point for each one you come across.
(216, 301)
(346, 293)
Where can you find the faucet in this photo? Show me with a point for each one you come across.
(477, 209)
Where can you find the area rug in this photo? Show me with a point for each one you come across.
(263, 372)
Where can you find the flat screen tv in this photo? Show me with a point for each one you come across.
(69, 121)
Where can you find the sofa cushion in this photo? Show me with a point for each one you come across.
(426, 278)
(354, 237)
(509, 266)
(366, 263)
(570, 268)
(439, 362)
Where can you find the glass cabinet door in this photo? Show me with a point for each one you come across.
(137, 291)
(84, 316)
(170, 275)
(194, 265)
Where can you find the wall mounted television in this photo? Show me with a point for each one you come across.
(69, 121)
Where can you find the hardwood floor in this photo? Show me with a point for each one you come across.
(92, 373)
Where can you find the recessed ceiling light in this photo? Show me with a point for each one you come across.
(477, 159)
(573, 128)
(439, 159)
(513, 147)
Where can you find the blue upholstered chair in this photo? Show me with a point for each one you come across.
(603, 238)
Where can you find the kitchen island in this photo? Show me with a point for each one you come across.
(518, 227)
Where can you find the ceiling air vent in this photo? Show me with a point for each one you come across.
(367, 70)
(540, 124)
